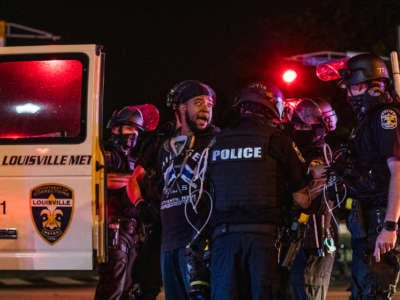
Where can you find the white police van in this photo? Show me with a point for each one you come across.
(51, 162)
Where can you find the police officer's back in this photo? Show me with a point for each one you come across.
(252, 164)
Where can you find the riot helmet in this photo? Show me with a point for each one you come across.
(329, 116)
(268, 95)
(129, 115)
(364, 67)
(366, 79)
(186, 90)
(311, 120)
(316, 111)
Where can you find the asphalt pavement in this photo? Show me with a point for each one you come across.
(73, 285)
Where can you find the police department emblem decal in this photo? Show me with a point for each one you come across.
(51, 207)
(388, 119)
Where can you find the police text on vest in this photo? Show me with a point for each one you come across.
(237, 153)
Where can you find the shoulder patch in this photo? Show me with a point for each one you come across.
(388, 119)
(298, 152)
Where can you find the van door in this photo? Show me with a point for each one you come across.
(51, 175)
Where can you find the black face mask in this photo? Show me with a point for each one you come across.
(361, 104)
(125, 141)
(130, 140)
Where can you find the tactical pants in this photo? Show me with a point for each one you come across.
(371, 280)
(244, 267)
(147, 267)
(310, 275)
(115, 279)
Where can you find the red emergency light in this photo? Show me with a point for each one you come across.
(289, 76)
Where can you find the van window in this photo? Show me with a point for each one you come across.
(43, 98)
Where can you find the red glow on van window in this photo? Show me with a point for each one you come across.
(54, 85)
(56, 67)
(12, 136)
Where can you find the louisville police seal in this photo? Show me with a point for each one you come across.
(388, 119)
(51, 207)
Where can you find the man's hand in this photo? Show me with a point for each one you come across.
(318, 172)
(385, 242)
(302, 198)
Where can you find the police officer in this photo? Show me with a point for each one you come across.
(251, 166)
(373, 179)
(309, 122)
(115, 276)
(179, 148)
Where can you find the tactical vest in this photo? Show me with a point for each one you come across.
(245, 177)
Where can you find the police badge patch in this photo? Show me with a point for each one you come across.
(51, 208)
(388, 119)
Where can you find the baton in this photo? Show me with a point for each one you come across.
(395, 71)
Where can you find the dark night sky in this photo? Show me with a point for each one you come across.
(151, 46)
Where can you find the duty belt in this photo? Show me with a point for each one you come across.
(249, 228)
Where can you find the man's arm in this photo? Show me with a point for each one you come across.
(304, 196)
(117, 181)
(132, 188)
(307, 194)
(386, 239)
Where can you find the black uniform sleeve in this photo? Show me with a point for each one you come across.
(286, 152)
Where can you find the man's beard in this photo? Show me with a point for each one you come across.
(192, 124)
